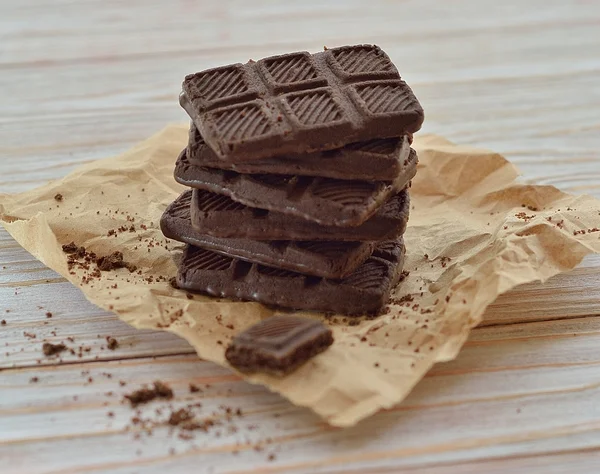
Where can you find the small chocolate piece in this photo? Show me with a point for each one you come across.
(219, 216)
(328, 259)
(366, 290)
(300, 103)
(50, 349)
(111, 262)
(325, 201)
(374, 160)
(278, 345)
(111, 343)
(146, 395)
(70, 248)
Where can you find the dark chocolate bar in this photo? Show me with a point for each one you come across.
(300, 103)
(329, 259)
(382, 159)
(218, 215)
(278, 345)
(365, 290)
(326, 201)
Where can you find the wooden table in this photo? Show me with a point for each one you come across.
(81, 80)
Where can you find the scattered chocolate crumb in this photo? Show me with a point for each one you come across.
(112, 343)
(34, 380)
(173, 283)
(29, 335)
(3, 322)
(523, 216)
(404, 299)
(111, 262)
(180, 416)
(48, 314)
(189, 296)
(131, 267)
(58, 197)
(70, 248)
(122, 383)
(271, 457)
(194, 388)
(50, 349)
(146, 395)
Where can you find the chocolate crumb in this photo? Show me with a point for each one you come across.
(58, 197)
(132, 268)
(50, 349)
(112, 343)
(111, 262)
(34, 380)
(146, 395)
(180, 416)
(3, 322)
(194, 388)
(48, 314)
(70, 248)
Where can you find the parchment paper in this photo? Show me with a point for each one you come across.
(469, 240)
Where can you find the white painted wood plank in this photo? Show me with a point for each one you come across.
(503, 405)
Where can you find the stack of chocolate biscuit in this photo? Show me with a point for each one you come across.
(299, 167)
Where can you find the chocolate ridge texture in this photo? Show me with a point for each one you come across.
(330, 259)
(326, 201)
(220, 216)
(382, 159)
(364, 291)
(300, 103)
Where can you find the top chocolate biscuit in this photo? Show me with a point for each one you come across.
(300, 103)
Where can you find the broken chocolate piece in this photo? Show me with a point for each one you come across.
(278, 345)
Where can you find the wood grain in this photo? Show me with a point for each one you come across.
(82, 80)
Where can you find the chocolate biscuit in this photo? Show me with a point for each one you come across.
(278, 345)
(326, 201)
(220, 216)
(329, 259)
(300, 103)
(383, 159)
(366, 290)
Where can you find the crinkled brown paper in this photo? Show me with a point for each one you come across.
(469, 240)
